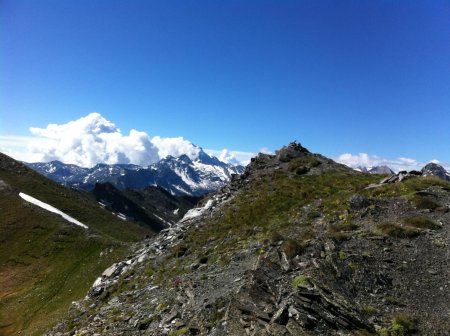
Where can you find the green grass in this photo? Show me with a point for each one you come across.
(274, 206)
(408, 188)
(425, 202)
(401, 325)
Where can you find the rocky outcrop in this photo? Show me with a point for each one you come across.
(399, 177)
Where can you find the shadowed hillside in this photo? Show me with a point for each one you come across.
(47, 262)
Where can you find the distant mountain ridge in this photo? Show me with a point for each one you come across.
(430, 169)
(375, 169)
(178, 175)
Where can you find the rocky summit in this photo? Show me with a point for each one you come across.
(297, 245)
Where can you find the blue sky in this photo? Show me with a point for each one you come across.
(339, 76)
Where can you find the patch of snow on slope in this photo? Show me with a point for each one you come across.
(186, 179)
(197, 211)
(50, 208)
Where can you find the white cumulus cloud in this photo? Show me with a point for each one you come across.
(175, 147)
(93, 139)
(231, 156)
(361, 159)
(228, 157)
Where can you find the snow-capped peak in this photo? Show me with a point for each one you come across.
(180, 175)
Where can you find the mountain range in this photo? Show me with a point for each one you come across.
(178, 175)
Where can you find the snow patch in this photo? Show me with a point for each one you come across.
(50, 208)
(193, 213)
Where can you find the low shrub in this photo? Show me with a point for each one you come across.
(403, 324)
(369, 310)
(421, 222)
(275, 237)
(291, 248)
(393, 300)
(395, 230)
(425, 202)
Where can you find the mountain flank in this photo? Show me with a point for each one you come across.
(297, 245)
(46, 261)
(154, 207)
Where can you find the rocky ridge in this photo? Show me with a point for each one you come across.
(346, 273)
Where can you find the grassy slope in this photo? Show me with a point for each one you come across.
(271, 207)
(275, 207)
(46, 262)
(284, 207)
(282, 204)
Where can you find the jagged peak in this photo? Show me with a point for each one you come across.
(203, 157)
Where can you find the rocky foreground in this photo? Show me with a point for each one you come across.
(298, 245)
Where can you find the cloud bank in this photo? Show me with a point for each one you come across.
(93, 139)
